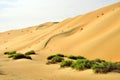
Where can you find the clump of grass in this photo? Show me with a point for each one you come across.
(61, 55)
(81, 64)
(30, 52)
(76, 57)
(102, 67)
(66, 63)
(55, 59)
(20, 56)
(14, 55)
(9, 53)
(52, 56)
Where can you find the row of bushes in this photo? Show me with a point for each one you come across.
(81, 63)
(14, 55)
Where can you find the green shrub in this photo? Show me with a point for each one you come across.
(72, 57)
(102, 67)
(117, 66)
(75, 57)
(98, 61)
(30, 52)
(81, 64)
(66, 63)
(80, 57)
(51, 56)
(61, 55)
(9, 53)
(20, 56)
(57, 59)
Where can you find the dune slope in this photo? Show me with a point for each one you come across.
(93, 35)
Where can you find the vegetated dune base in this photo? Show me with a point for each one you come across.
(38, 70)
(93, 35)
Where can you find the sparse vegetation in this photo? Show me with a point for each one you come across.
(14, 55)
(66, 63)
(102, 67)
(9, 53)
(30, 52)
(20, 56)
(51, 56)
(55, 59)
(61, 55)
(76, 57)
(81, 63)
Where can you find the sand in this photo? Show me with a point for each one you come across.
(93, 35)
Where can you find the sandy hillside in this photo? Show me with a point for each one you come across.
(93, 35)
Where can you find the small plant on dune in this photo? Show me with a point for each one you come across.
(61, 55)
(72, 57)
(55, 59)
(81, 64)
(51, 56)
(66, 63)
(30, 52)
(115, 67)
(102, 67)
(20, 56)
(9, 53)
(76, 57)
(15, 55)
(98, 61)
(80, 57)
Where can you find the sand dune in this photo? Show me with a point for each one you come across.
(93, 35)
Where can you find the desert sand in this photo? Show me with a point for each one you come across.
(93, 35)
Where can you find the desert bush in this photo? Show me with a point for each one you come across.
(20, 56)
(81, 64)
(76, 57)
(115, 67)
(61, 55)
(52, 56)
(66, 63)
(98, 61)
(80, 57)
(72, 57)
(102, 67)
(9, 53)
(57, 59)
(30, 52)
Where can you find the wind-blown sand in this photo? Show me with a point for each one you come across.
(93, 35)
